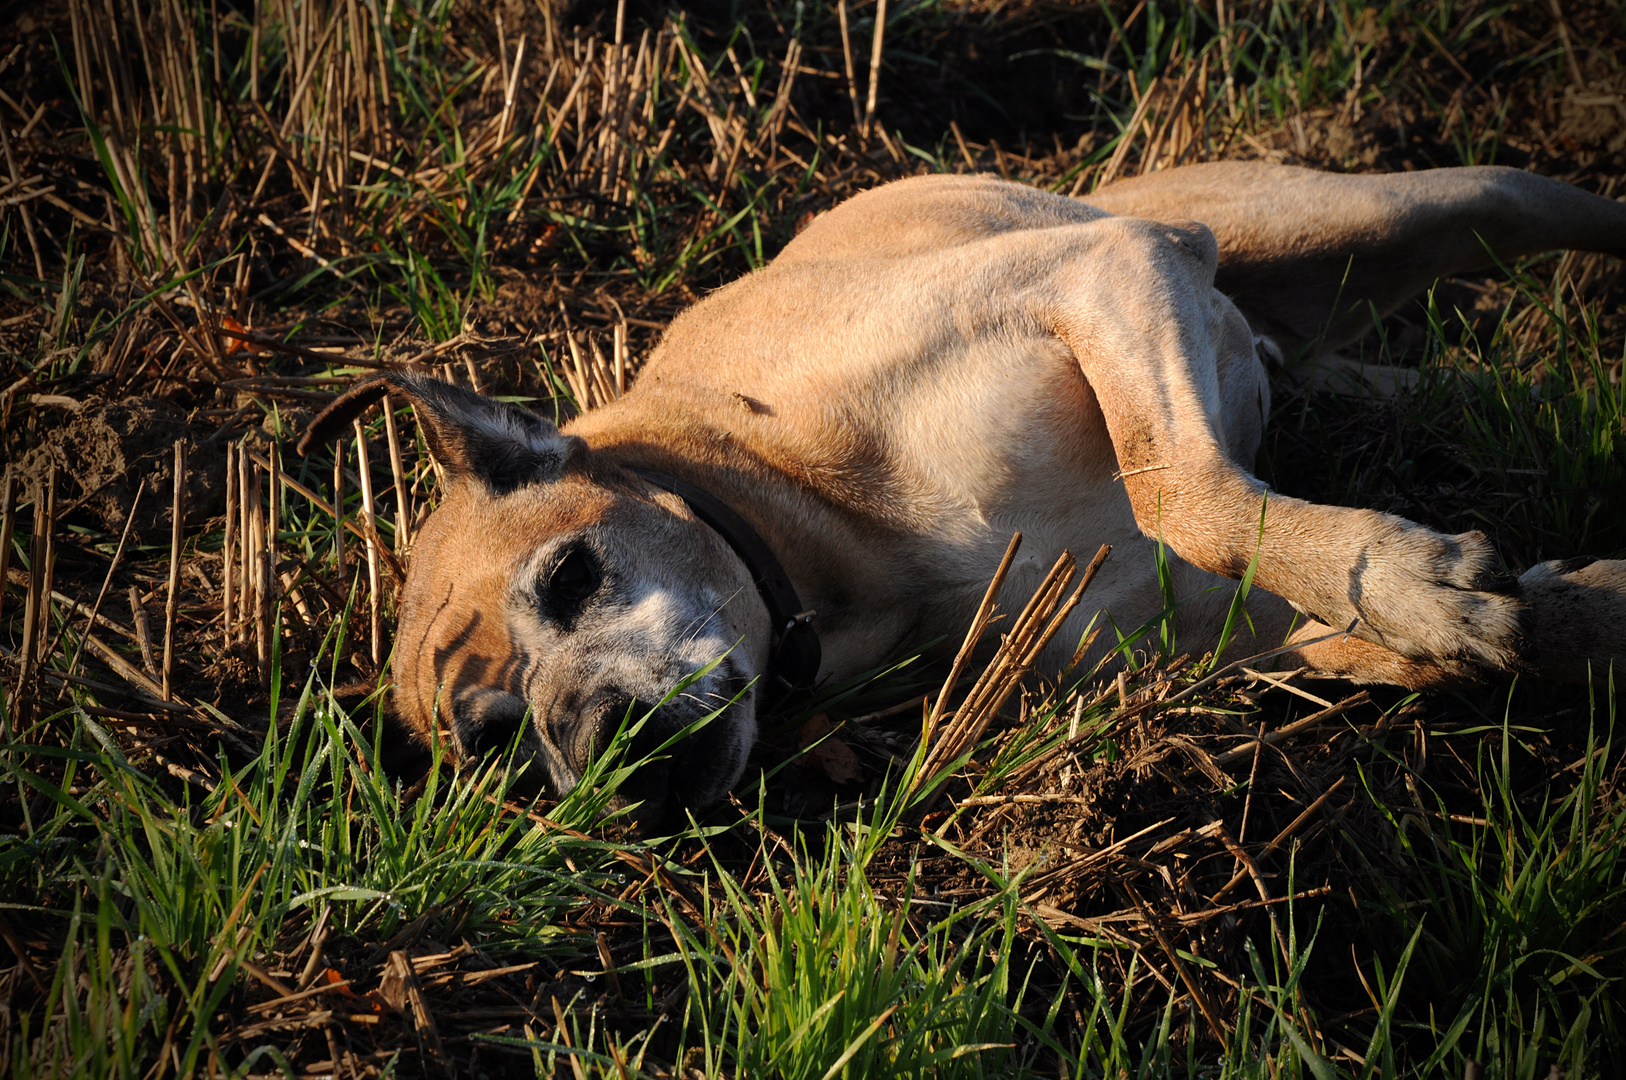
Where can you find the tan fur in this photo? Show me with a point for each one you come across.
(943, 361)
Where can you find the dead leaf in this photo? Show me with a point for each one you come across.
(828, 753)
(234, 344)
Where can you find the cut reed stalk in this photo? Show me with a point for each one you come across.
(337, 508)
(403, 507)
(620, 359)
(391, 563)
(31, 617)
(603, 376)
(288, 585)
(256, 549)
(245, 545)
(172, 601)
(143, 632)
(8, 523)
(374, 614)
(1019, 650)
(273, 528)
(228, 558)
(1013, 645)
(48, 580)
(107, 579)
(847, 60)
(979, 623)
(1127, 139)
(876, 41)
(580, 384)
(127, 671)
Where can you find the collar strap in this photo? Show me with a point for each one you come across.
(794, 656)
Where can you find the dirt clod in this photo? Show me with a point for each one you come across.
(107, 452)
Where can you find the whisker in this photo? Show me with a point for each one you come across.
(699, 623)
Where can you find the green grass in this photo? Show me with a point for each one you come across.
(168, 876)
(184, 886)
(796, 966)
(1520, 916)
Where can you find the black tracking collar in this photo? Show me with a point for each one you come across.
(793, 659)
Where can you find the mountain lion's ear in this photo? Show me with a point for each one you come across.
(498, 445)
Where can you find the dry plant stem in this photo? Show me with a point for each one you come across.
(847, 59)
(143, 633)
(403, 508)
(8, 523)
(1037, 800)
(1280, 839)
(1215, 1029)
(337, 509)
(894, 710)
(273, 528)
(1153, 151)
(177, 527)
(423, 1021)
(1127, 139)
(288, 582)
(65, 601)
(603, 375)
(256, 563)
(31, 607)
(580, 384)
(1269, 654)
(620, 358)
(129, 672)
(965, 152)
(876, 41)
(562, 1028)
(1252, 870)
(20, 951)
(1231, 757)
(228, 554)
(391, 563)
(94, 615)
(1280, 682)
(979, 623)
(245, 601)
(1253, 776)
(22, 208)
(952, 737)
(336, 359)
(374, 615)
(48, 557)
(318, 938)
(1019, 652)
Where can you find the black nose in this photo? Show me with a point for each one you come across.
(650, 784)
(487, 721)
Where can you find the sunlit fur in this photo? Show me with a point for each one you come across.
(939, 363)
